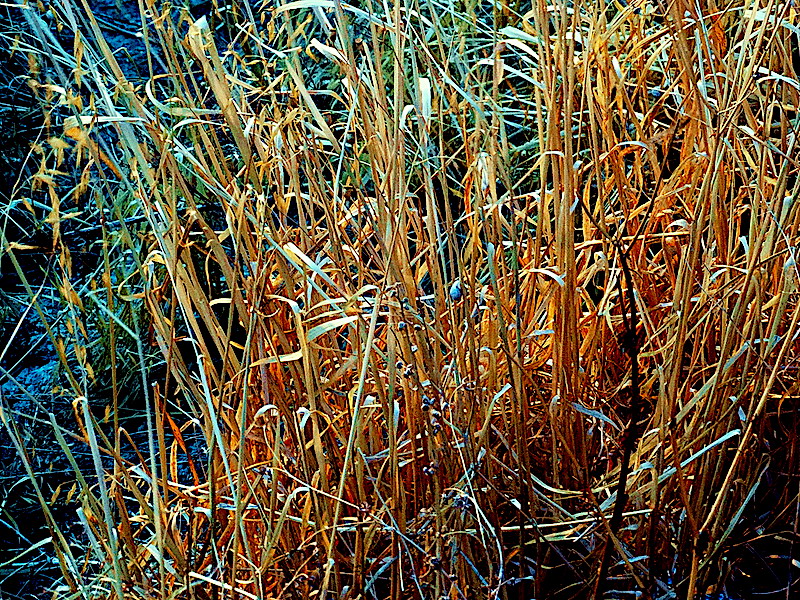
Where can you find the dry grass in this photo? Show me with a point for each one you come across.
(461, 301)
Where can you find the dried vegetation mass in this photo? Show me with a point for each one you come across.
(414, 299)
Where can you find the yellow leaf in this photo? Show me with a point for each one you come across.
(18, 246)
(57, 143)
(282, 358)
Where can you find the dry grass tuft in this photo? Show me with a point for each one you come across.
(456, 300)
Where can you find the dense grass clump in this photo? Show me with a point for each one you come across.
(419, 299)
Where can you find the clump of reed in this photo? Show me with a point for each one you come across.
(455, 300)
